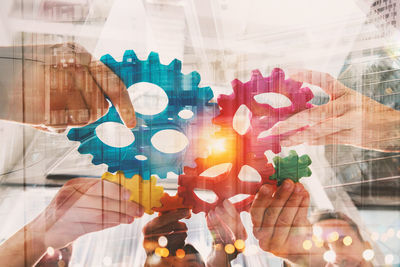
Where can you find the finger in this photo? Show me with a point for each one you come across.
(327, 127)
(344, 137)
(221, 233)
(261, 202)
(274, 210)
(107, 204)
(106, 189)
(313, 116)
(93, 97)
(286, 217)
(82, 215)
(234, 221)
(165, 219)
(301, 215)
(324, 80)
(115, 89)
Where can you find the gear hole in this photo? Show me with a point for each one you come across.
(115, 134)
(169, 141)
(206, 195)
(148, 98)
(249, 174)
(275, 100)
(216, 170)
(237, 198)
(241, 119)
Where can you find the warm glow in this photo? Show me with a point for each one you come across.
(347, 241)
(217, 145)
(317, 231)
(164, 252)
(319, 243)
(334, 236)
(229, 249)
(158, 251)
(239, 244)
(307, 244)
(180, 253)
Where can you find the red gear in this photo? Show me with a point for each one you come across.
(225, 185)
(264, 116)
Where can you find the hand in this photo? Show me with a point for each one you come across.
(63, 87)
(280, 223)
(349, 118)
(81, 206)
(167, 225)
(226, 228)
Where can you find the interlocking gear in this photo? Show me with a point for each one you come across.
(171, 203)
(229, 183)
(143, 192)
(183, 94)
(263, 116)
(291, 167)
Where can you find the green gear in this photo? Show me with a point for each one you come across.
(291, 167)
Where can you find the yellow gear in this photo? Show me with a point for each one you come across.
(143, 192)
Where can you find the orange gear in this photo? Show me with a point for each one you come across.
(171, 203)
(143, 192)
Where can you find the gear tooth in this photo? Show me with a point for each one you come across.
(278, 74)
(108, 60)
(236, 83)
(256, 75)
(154, 57)
(194, 77)
(207, 92)
(130, 56)
(175, 65)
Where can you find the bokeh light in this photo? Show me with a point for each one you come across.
(180, 253)
(334, 236)
(239, 244)
(368, 254)
(347, 241)
(307, 244)
(50, 251)
(162, 241)
(330, 256)
(229, 248)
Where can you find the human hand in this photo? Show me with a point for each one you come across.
(168, 225)
(82, 206)
(349, 118)
(226, 227)
(62, 87)
(280, 223)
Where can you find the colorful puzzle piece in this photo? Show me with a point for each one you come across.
(143, 192)
(291, 167)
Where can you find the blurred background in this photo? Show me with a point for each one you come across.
(357, 41)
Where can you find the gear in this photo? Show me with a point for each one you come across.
(171, 203)
(263, 115)
(229, 183)
(143, 192)
(291, 167)
(141, 157)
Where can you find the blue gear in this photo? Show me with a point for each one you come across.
(183, 93)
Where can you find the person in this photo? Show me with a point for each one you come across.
(81, 206)
(349, 118)
(54, 86)
(282, 228)
(224, 224)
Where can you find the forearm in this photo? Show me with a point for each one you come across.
(24, 248)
